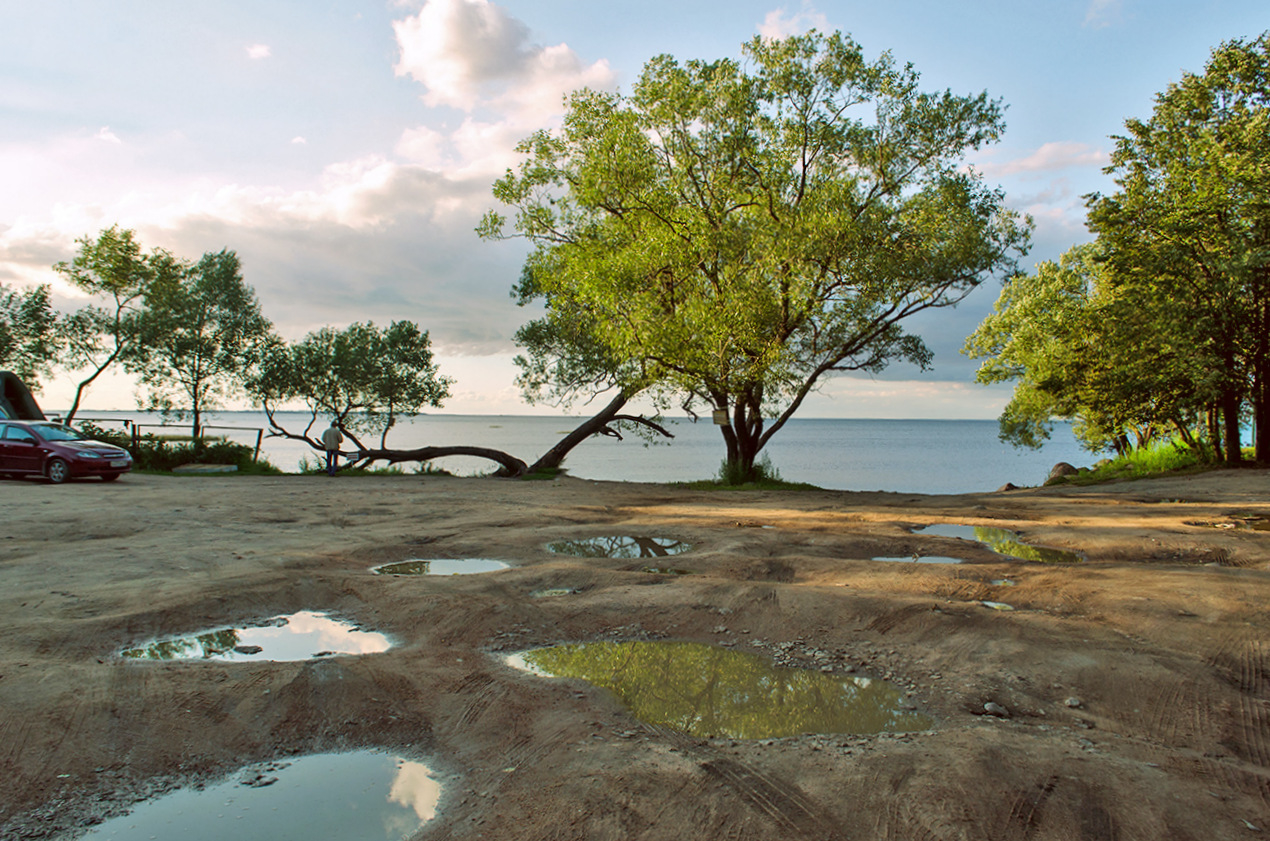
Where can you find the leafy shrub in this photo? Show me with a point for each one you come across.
(163, 455)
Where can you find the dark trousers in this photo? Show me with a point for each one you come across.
(332, 458)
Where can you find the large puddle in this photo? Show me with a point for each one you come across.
(442, 566)
(620, 547)
(362, 796)
(707, 691)
(1003, 542)
(299, 636)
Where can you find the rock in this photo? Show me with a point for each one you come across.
(993, 708)
(247, 649)
(1062, 469)
(1008, 486)
(1072, 702)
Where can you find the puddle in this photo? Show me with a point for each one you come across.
(1003, 582)
(665, 570)
(299, 636)
(997, 605)
(922, 559)
(707, 691)
(620, 547)
(1003, 542)
(552, 592)
(441, 566)
(361, 795)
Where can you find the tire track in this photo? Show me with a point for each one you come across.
(889, 621)
(1028, 807)
(783, 804)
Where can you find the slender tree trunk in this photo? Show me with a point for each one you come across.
(1214, 432)
(1261, 377)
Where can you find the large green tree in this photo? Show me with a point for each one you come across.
(200, 333)
(1189, 225)
(729, 235)
(30, 341)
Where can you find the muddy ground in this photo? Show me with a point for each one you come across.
(1136, 682)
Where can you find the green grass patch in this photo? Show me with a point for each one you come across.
(1169, 458)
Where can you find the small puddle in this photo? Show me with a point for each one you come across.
(922, 559)
(1003, 542)
(552, 592)
(707, 691)
(441, 566)
(997, 605)
(362, 795)
(620, 547)
(299, 636)
(665, 570)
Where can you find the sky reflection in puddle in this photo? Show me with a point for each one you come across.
(708, 691)
(921, 559)
(1003, 542)
(299, 636)
(442, 566)
(360, 796)
(620, 547)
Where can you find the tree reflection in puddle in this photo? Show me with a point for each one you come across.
(1003, 542)
(442, 566)
(707, 691)
(620, 547)
(363, 795)
(298, 636)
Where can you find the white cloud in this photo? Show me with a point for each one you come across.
(780, 23)
(1102, 13)
(471, 53)
(299, 141)
(1049, 157)
(258, 51)
(107, 135)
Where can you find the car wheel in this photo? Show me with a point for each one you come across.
(58, 471)
(110, 477)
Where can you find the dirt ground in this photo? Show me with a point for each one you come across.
(1137, 683)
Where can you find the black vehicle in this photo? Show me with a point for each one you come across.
(57, 452)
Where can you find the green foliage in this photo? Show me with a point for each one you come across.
(731, 235)
(1164, 321)
(761, 472)
(202, 331)
(158, 454)
(29, 337)
(1160, 458)
(363, 377)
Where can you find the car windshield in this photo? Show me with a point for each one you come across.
(57, 432)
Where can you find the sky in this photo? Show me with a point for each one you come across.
(345, 150)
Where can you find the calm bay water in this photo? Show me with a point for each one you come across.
(909, 456)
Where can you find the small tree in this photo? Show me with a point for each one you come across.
(113, 269)
(201, 331)
(730, 237)
(30, 341)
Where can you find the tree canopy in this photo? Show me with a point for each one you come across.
(30, 340)
(201, 329)
(728, 235)
(1163, 321)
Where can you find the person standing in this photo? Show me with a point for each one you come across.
(331, 440)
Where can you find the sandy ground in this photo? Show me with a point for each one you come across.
(1161, 638)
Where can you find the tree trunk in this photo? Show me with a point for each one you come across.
(1261, 377)
(1214, 432)
(554, 457)
(1230, 416)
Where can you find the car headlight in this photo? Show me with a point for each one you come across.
(87, 454)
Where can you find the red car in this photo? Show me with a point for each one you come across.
(57, 452)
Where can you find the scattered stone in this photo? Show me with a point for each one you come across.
(247, 649)
(1008, 486)
(1072, 702)
(995, 709)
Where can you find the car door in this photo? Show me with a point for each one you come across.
(19, 450)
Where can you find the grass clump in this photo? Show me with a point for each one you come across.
(763, 477)
(1163, 458)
